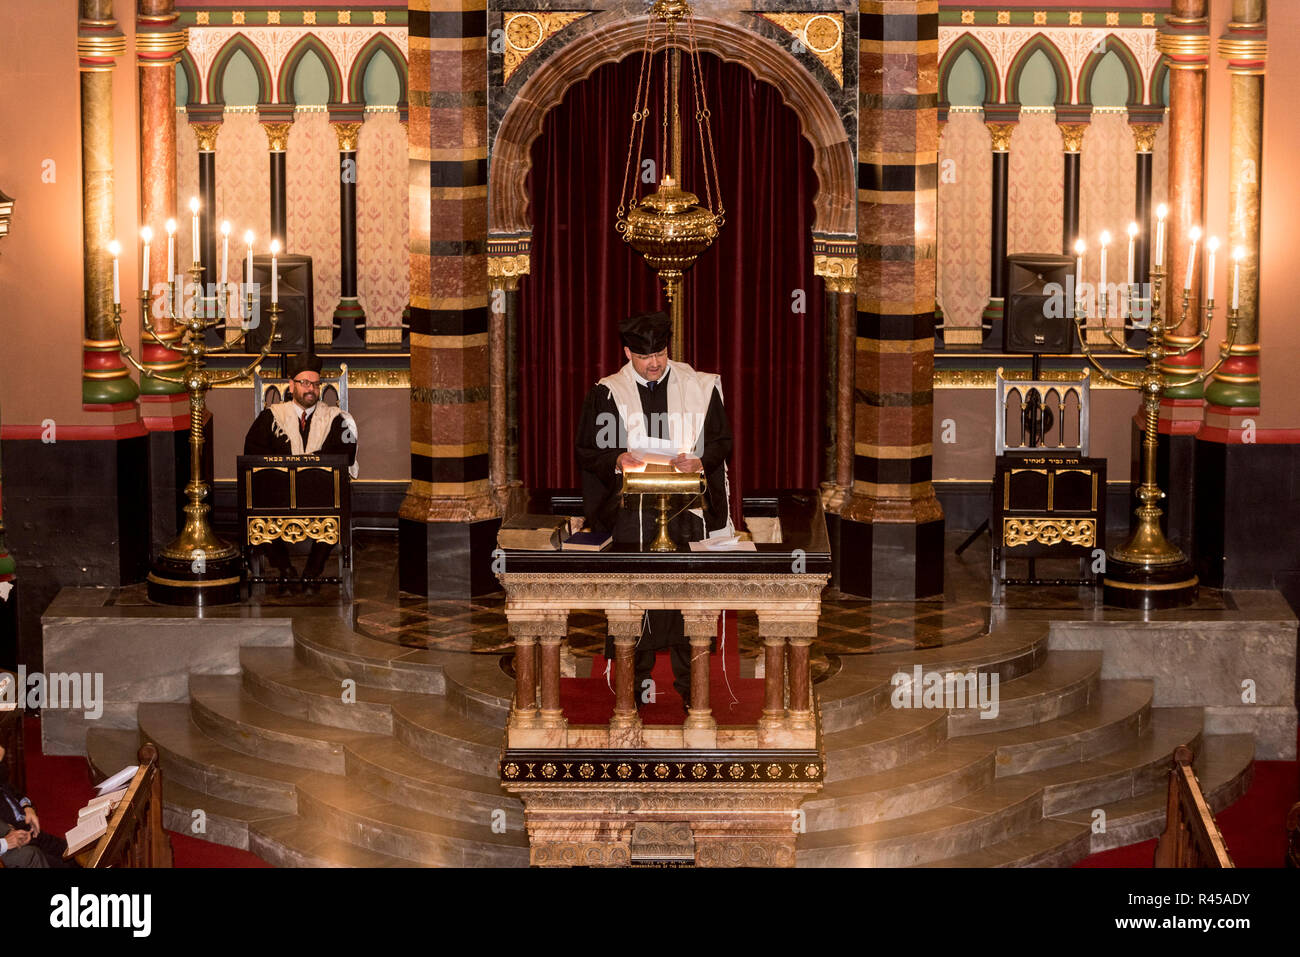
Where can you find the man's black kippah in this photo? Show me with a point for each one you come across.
(646, 333)
(298, 364)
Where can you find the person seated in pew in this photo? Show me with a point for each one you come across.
(22, 841)
(303, 426)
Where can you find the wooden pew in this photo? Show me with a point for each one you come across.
(1191, 837)
(135, 835)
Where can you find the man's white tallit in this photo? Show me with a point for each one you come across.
(689, 394)
(286, 419)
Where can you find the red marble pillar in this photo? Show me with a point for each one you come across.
(159, 41)
(1185, 42)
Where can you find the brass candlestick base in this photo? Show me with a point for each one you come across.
(196, 568)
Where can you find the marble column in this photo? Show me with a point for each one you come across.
(835, 260)
(448, 520)
(1185, 41)
(105, 382)
(1245, 46)
(625, 724)
(1144, 141)
(8, 568)
(158, 45)
(700, 730)
(1072, 139)
(277, 143)
(349, 315)
(505, 266)
(891, 524)
(1000, 134)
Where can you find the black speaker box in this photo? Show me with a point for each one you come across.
(1033, 322)
(294, 331)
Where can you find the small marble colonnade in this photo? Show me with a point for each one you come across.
(538, 606)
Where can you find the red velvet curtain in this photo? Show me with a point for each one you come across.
(743, 296)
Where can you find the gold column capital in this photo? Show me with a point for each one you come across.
(1072, 135)
(348, 134)
(1144, 136)
(1001, 134)
(504, 271)
(277, 136)
(99, 43)
(840, 273)
(1185, 42)
(1245, 47)
(206, 134)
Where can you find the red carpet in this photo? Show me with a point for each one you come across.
(59, 787)
(591, 700)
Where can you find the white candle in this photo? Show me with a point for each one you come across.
(1237, 255)
(1191, 257)
(171, 249)
(147, 235)
(275, 278)
(1211, 246)
(225, 249)
(1079, 249)
(1132, 242)
(116, 248)
(1161, 212)
(248, 241)
(1105, 241)
(194, 209)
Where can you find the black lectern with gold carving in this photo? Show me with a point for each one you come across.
(294, 498)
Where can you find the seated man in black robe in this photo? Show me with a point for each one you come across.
(23, 842)
(652, 397)
(303, 426)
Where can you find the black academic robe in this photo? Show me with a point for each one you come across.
(601, 485)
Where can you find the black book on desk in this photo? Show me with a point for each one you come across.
(587, 542)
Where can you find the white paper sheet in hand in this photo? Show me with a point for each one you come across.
(652, 451)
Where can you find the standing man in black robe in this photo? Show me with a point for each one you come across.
(653, 398)
(303, 426)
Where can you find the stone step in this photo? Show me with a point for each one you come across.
(276, 678)
(395, 773)
(1113, 719)
(862, 687)
(192, 759)
(1045, 843)
(222, 822)
(953, 770)
(435, 729)
(109, 750)
(1063, 684)
(889, 740)
(343, 810)
(223, 712)
(988, 816)
(1224, 766)
(290, 842)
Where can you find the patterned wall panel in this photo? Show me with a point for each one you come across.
(187, 183)
(313, 208)
(1109, 168)
(965, 225)
(383, 221)
(243, 177)
(1035, 191)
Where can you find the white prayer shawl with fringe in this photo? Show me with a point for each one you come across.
(286, 416)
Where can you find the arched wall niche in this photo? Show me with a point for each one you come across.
(835, 204)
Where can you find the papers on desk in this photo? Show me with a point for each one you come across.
(731, 543)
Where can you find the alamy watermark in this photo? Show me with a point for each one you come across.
(954, 690)
(75, 691)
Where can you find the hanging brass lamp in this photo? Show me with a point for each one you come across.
(669, 227)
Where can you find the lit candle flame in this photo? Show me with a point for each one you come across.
(146, 234)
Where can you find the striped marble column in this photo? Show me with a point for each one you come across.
(448, 520)
(1185, 42)
(106, 385)
(891, 528)
(8, 567)
(159, 41)
(1245, 45)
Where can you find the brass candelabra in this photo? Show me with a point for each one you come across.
(1147, 571)
(197, 567)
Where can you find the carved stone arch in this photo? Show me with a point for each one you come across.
(193, 82)
(1112, 44)
(835, 204)
(217, 72)
(1064, 81)
(293, 60)
(378, 45)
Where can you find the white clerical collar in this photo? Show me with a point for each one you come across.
(646, 382)
(303, 410)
